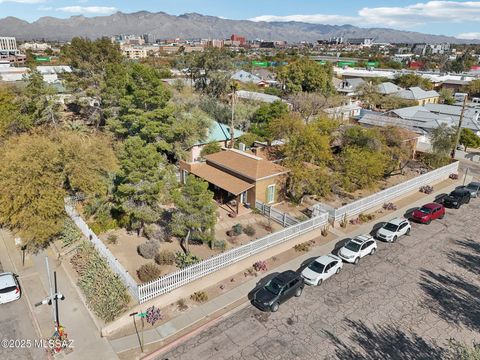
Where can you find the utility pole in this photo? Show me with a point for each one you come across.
(459, 129)
(52, 299)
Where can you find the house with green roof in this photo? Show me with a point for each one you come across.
(218, 133)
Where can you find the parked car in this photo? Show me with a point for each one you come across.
(321, 269)
(429, 212)
(457, 198)
(357, 248)
(474, 188)
(9, 288)
(278, 290)
(395, 228)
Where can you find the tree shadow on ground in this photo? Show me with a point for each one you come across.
(468, 259)
(452, 298)
(385, 342)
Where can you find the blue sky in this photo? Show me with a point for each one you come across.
(458, 17)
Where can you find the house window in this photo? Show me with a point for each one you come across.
(271, 194)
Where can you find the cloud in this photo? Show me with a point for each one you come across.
(88, 9)
(399, 16)
(469, 36)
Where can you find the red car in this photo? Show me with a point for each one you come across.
(429, 212)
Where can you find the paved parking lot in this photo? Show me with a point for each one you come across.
(404, 302)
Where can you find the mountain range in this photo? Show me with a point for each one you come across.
(194, 25)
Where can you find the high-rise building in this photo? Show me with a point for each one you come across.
(149, 39)
(8, 47)
(240, 39)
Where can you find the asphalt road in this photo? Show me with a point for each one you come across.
(16, 327)
(404, 302)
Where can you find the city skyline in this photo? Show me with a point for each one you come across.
(454, 18)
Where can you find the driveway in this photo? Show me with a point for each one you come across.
(404, 302)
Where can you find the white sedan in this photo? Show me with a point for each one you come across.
(321, 269)
(9, 288)
(357, 248)
(395, 228)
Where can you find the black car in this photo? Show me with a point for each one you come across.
(278, 290)
(457, 198)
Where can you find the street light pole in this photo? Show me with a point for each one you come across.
(459, 129)
(136, 329)
(51, 293)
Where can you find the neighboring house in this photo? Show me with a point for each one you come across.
(388, 88)
(219, 133)
(422, 119)
(238, 178)
(419, 95)
(246, 78)
(256, 96)
(345, 112)
(350, 86)
(267, 76)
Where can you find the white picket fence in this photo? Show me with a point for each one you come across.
(387, 195)
(114, 264)
(184, 276)
(280, 217)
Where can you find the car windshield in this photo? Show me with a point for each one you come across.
(274, 286)
(472, 186)
(8, 289)
(425, 210)
(390, 227)
(317, 267)
(353, 246)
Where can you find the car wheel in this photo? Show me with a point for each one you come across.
(319, 282)
(442, 216)
(338, 270)
(457, 206)
(373, 251)
(357, 260)
(408, 231)
(298, 292)
(394, 238)
(274, 307)
(429, 221)
(468, 200)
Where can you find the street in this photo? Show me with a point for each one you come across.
(404, 302)
(16, 324)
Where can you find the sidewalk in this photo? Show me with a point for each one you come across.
(87, 342)
(238, 296)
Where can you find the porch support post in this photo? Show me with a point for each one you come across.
(238, 203)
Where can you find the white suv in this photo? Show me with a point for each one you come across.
(321, 269)
(395, 228)
(9, 288)
(357, 248)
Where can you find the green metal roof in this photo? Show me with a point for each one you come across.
(219, 132)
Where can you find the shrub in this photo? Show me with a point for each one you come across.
(366, 217)
(104, 292)
(182, 305)
(249, 230)
(237, 229)
(426, 189)
(154, 232)
(303, 247)
(199, 296)
(112, 239)
(149, 249)
(183, 260)
(260, 265)
(219, 244)
(165, 257)
(390, 206)
(325, 230)
(148, 272)
(355, 221)
(453, 176)
(70, 233)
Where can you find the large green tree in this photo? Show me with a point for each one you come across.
(469, 139)
(412, 80)
(12, 120)
(195, 214)
(37, 171)
(362, 167)
(306, 75)
(143, 182)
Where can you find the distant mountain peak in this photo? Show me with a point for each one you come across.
(195, 25)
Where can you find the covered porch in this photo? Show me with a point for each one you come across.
(233, 195)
